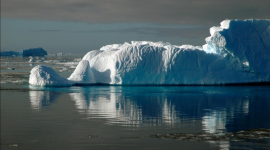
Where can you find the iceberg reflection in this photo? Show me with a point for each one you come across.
(39, 99)
(222, 114)
(217, 109)
(106, 104)
(215, 121)
(103, 105)
(120, 106)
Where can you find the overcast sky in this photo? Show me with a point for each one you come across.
(78, 26)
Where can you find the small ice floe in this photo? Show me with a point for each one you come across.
(46, 76)
(60, 54)
(39, 61)
(77, 59)
(59, 61)
(32, 59)
(73, 66)
(13, 145)
(64, 69)
(62, 61)
(246, 64)
(18, 81)
(11, 68)
(93, 136)
(55, 61)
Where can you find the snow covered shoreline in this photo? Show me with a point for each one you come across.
(237, 52)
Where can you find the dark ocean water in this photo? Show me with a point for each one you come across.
(127, 117)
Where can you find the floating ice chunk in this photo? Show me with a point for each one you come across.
(246, 64)
(39, 61)
(11, 68)
(64, 69)
(73, 66)
(59, 54)
(32, 59)
(77, 59)
(46, 76)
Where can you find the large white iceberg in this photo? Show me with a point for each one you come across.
(236, 52)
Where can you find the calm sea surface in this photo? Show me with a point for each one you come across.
(125, 117)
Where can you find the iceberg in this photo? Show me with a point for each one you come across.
(33, 52)
(238, 51)
(46, 76)
(25, 53)
(9, 53)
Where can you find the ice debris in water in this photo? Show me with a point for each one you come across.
(251, 134)
(238, 51)
(11, 68)
(13, 145)
(32, 59)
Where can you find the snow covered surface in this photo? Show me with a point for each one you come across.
(236, 52)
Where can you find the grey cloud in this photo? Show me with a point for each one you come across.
(145, 11)
(45, 30)
(162, 31)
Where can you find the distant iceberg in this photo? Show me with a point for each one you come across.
(236, 52)
(33, 52)
(9, 53)
(25, 53)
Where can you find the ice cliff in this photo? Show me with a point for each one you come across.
(238, 51)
